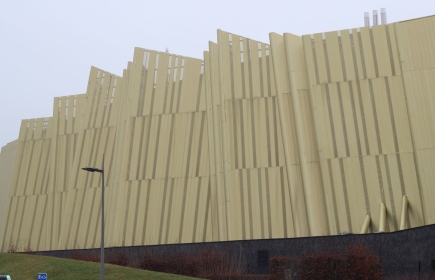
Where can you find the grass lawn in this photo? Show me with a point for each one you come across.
(23, 267)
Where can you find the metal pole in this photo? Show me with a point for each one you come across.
(102, 222)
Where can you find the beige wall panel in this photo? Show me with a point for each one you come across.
(221, 194)
(426, 162)
(339, 135)
(176, 214)
(348, 55)
(276, 196)
(369, 117)
(191, 194)
(141, 78)
(118, 227)
(299, 61)
(131, 220)
(8, 158)
(358, 50)
(281, 66)
(32, 170)
(333, 53)
(291, 129)
(22, 221)
(324, 125)
(367, 52)
(236, 147)
(381, 50)
(418, 111)
(406, 39)
(247, 131)
(203, 155)
(62, 122)
(56, 219)
(37, 223)
(129, 223)
(421, 107)
(426, 45)
(331, 208)
(394, 49)
(162, 149)
(308, 45)
(394, 174)
(74, 240)
(383, 117)
(339, 194)
(10, 223)
(223, 49)
(418, 50)
(95, 231)
(401, 114)
(214, 73)
(355, 193)
(290, 219)
(256, 202)
(190, 94)
(236, 206)
(256, 120)
(137, 126)
(255, 75)
(265, 151)
(145, 95)
(387, 195)
(245, 67)
(28, 226)
(235, 58)
(246, 219)
(320, 59)
(412, 190)
(348, 113)
(161, 82)
(77, 234)
(91, 216)
(24, 166)
(151, 146)
(429, 24)
(373, 187)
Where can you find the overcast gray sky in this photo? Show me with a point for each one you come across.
(48, 46)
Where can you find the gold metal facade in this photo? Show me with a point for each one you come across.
(305, 136)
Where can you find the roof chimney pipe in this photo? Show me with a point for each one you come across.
(375, 17)
(366, 19)
(383, 16)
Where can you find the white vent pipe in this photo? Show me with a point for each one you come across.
(366, 19)
(375, 17)
(383, 16)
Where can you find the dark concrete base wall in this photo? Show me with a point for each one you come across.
(409, 251)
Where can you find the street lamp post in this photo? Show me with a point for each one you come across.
(93, 169)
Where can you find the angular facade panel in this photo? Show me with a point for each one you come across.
(304, 136)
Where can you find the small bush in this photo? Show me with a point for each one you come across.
(87, 256)
(279, 265)
(358, 262)
(361, 263)
(117, 258)
(208, 264)
(322, 266)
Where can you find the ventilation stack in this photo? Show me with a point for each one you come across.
(383, 16)
(375, 17)
(366, 19)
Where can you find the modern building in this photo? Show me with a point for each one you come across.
(323, 134)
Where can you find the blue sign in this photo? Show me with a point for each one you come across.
(42, 276)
